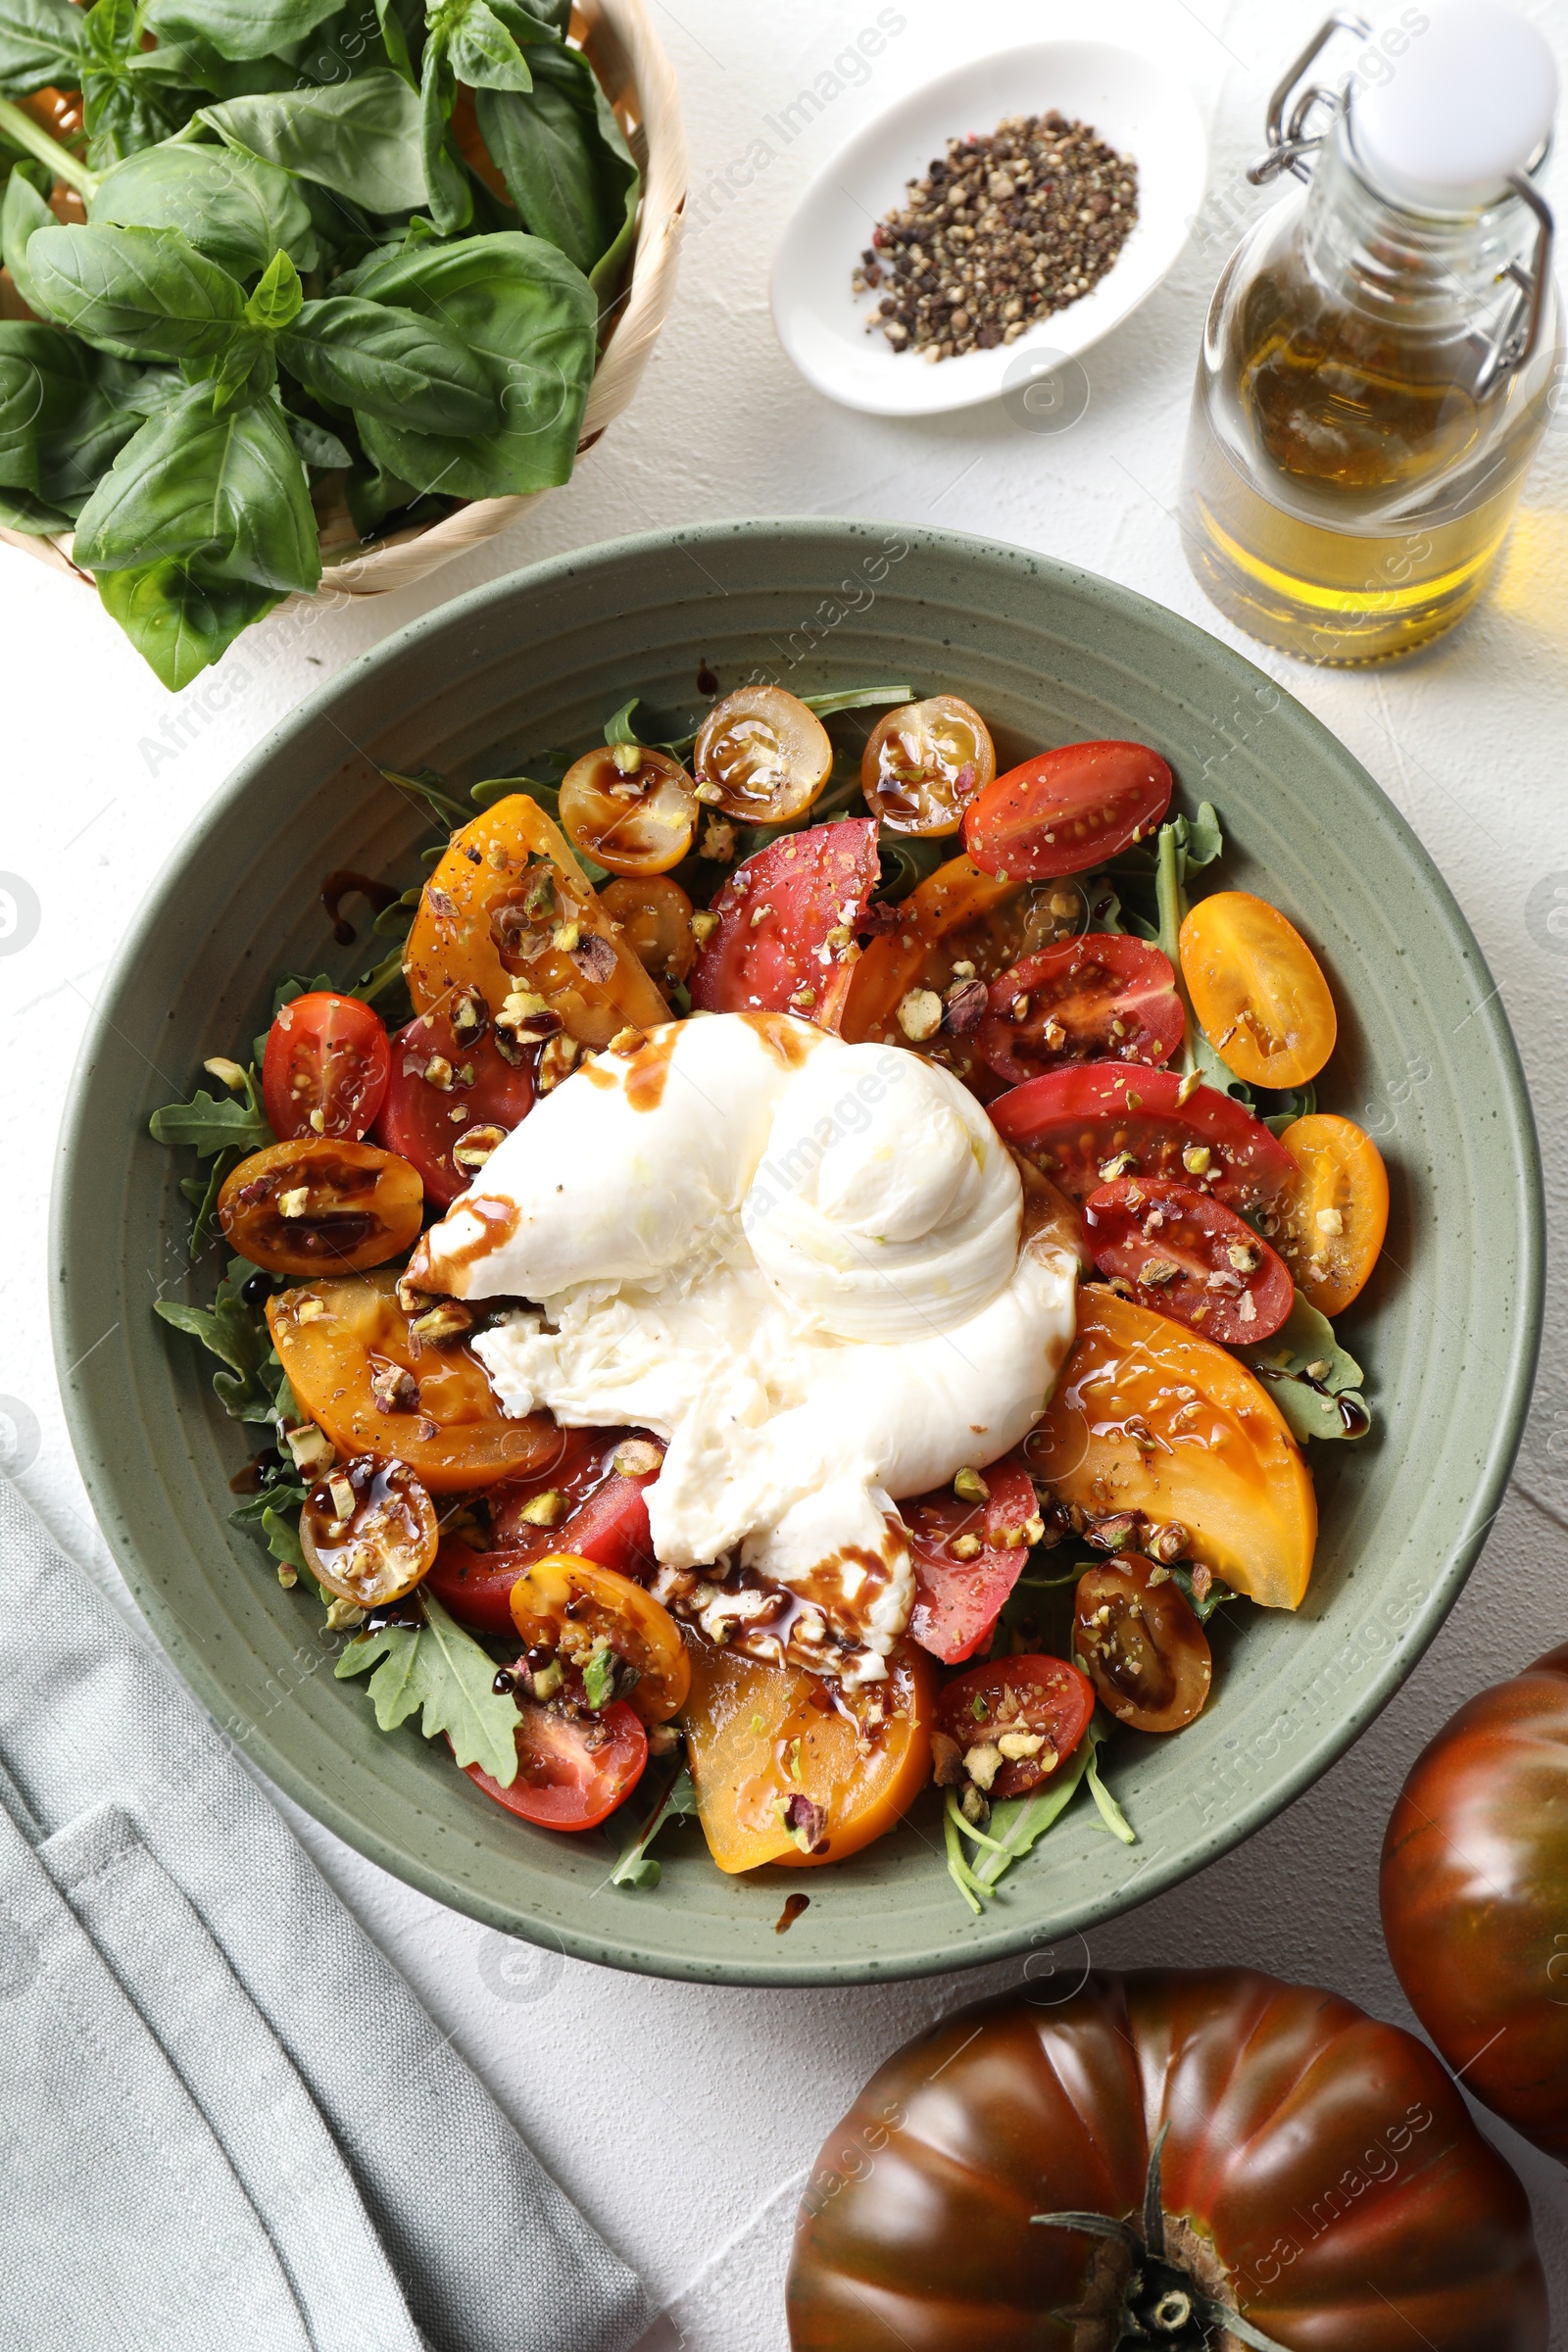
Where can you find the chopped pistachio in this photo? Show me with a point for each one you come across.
(295, 1202)
(628, 757)
(636, 1457)
(544, 1510)
(704, 925)
(1189, 1087)
(227, 1073)
(966, 1548)
(920, 1014)
(1195, 1158)
(1015, 1745)
(546, 1680)
(1328, 1220)
(343, 1614)
(982, 1763)
(970, 1487)
(627, 1042)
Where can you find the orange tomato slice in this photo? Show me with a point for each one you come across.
(958, 894)
(758, 1736)
(506, 892)
(1257, 990)
(1149, 1417)
(1332, 1228)
(564, 1590)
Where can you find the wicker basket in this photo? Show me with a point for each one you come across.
(638, 82)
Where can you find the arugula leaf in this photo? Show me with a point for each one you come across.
(228, 490)
(618, 726)
(1306, 1372)
(38, 45)
(857, 697)
(237, 1334)
(179, 616)
(207, 1123)
(234, 208)
(393, 362)
(360, 137)
(637, 1867)
(565, 158)
(1019, 1823)
(241, 28)
(1201, 1604)
(531, 317)
(1297, 1102)
(436, 1667)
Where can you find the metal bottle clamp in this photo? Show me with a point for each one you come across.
(1288, 146)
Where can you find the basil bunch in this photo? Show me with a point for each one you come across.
(299, 262)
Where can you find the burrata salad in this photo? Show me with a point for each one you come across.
(805, 1276)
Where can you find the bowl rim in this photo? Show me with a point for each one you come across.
(993, 1937)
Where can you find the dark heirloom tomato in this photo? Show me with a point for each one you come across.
(785, 941)
(1067, 809)
(445, 1099)
(325, 1067)
(1097, 997)
(1026, 1694)
(1319, 2173)
(313, 1207)
(1140, 1646)
(571, 1773)
(1189, 1256)
(1076, 1124)
(1475, 1871)
(968, 1558)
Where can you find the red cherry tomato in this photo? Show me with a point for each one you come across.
(1020, 1694)
(1189, 1257)
(958, 1591)
(1087, 1125)
(324, 1071)
(573, 1772)
(803, 893)
(430, 1118)
(608, 1526)
(1097, 998)
(1067, 809)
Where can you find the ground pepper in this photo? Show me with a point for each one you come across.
(999, 233)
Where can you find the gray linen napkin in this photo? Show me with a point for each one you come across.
(224, 2119)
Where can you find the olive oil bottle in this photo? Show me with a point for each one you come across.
(1382, 347)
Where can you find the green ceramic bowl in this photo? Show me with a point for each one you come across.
(1448, 1329)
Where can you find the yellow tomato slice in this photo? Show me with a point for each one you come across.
(1257, 990)
(1149, 1417)
(1333, 1226)
(761, 757)
(924, 764)
(758, 1736)
(564, 1591)
(653, 916)
(637, 820)
(507, 909)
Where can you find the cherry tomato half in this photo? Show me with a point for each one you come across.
(1189, 1256)
(1067, 809)
(317, 1208)
(1257, 990)
(630, 808)
(924, 764)
(799, 894)
(1097, 997)
(609, 1528)
(368, 1531)
(654, 917)
(761, 757)
(1028, 1698)
(573, 1771)
(1141, 1645)
(450, 1099)
(325, 1067)
(1089, 1124)
(968, 1558)
(359, 1367)
(565, 1596)
(1333, 1225)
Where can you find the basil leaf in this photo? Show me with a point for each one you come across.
(439, 1669)
(479, 49)
(120, 114)
(359, 139)
(228, 489)
(21, 210)
(563, 156)
(147, 291)
(20, 511)
(179, 616)
(241, 28)
(396, 35)
(1306, 1372)
(316, 445)
(38, 45)
(234, 208)
(391, 362)
(531, 317)
(62, 417)
(445, 190)
(183, 63)
(277, 297)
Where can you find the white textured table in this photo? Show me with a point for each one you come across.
(681, 2117)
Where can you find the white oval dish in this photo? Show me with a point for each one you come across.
(1135, 103)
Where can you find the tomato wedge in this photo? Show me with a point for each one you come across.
(1336, 1219)
(968, 1558)
(1148, 1417)
(1067, 809)
(313, 1207)
(1087, 1125)
(359, 1367)
(1140, 1646)
(924, 764)
(449, 1101)
(573, 1771)
(324, 1070)
(1189, 1256)
(1257, 990)
(1098, 996)
(564, 1601)
(785, 941)
(1031, 1697)
(782, 1776)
